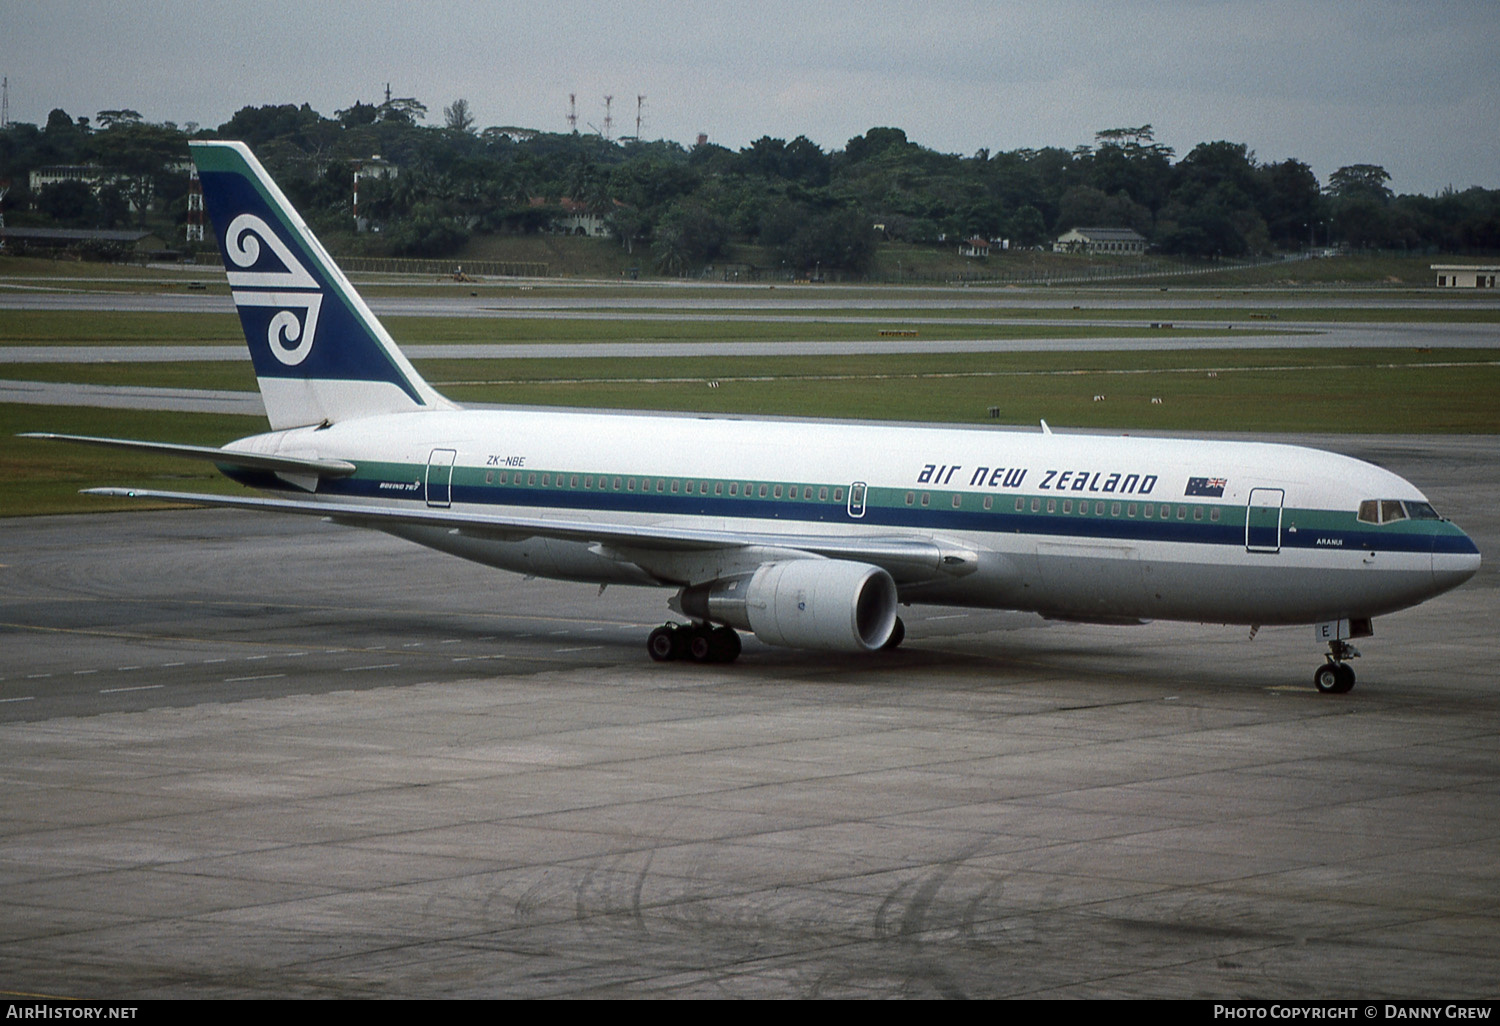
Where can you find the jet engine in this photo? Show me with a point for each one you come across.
(829, 604)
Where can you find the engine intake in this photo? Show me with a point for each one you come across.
(829, 604)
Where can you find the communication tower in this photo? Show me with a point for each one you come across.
(640, 101)
(5, 102)
(573, 113)
(194, 207)
(609, 121)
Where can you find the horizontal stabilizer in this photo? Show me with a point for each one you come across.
(223, 457)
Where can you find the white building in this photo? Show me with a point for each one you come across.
(1101, 242)
(1466, 276)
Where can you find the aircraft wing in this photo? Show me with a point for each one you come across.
(905, 558)
(222, 457)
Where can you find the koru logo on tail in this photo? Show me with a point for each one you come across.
(290, 289)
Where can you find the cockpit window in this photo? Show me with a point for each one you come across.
(1388, 511)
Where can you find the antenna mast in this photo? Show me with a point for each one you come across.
(609, 121)
(573, 113)
(640, 101)
(5, 102)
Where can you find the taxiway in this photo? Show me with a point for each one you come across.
(249, 756)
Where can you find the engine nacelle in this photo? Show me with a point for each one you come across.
(829, 604)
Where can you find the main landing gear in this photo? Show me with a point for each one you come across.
(1335, 677)
(699, 642)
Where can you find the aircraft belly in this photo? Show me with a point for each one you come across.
(1197, 583)
(1287, 587)
(539, 557)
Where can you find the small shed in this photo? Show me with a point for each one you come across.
(1466, 276)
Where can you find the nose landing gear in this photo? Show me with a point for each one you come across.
(1336, 677)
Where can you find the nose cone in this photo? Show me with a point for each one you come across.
(1455, 558)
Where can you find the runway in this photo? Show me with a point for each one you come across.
(251, 757)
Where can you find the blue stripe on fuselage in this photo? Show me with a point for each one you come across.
(1072, 525)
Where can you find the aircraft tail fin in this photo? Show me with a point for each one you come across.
(320, 355)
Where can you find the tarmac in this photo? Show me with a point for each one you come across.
(252, 757)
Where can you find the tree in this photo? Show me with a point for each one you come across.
(404, 110)
(359, 114)
(873, 143)
(110, 118)
(1292, 203)
(686, 236)
(70, 203)
(457, 117)
(1367, 181)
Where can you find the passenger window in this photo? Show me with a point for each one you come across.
(926, 499)
(573, 481)
(911, 497)
(1036, 505)
(838, 495)
(822, 494)
(1098, 509)
(1114, 509)
(1020, 504)
(1051, 505)
(989, 502)
(1067, 505)
(958, 500)
(1213, 514)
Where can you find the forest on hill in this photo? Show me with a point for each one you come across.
(681, 207)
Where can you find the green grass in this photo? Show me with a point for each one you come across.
(25, 327)
(66, 327)
(1245, 390)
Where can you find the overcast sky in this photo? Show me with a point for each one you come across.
(1413, 86)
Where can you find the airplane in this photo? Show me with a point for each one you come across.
(804, 533)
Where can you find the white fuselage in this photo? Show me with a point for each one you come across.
(1076, 526)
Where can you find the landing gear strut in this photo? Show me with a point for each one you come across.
(1336, 677)
(701, 642)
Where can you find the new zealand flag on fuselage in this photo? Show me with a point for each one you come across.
(1211, 487)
